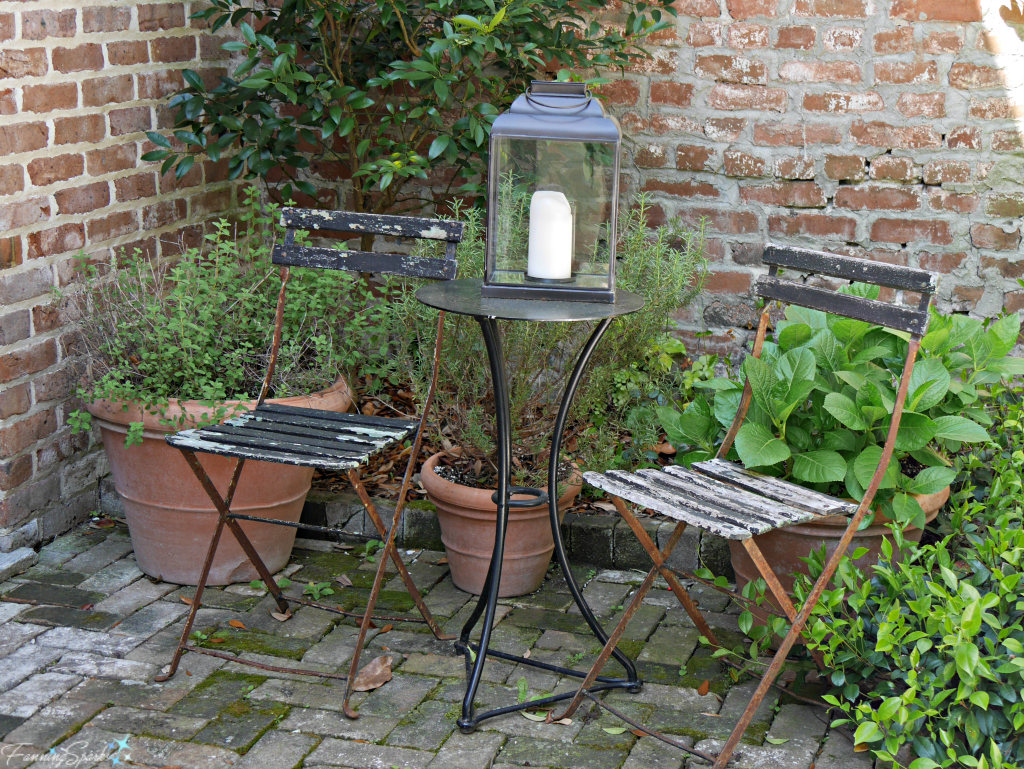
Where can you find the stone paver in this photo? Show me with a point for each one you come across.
(54, 722)
(468, 751)
(277, 750)
(29, 696)
(75, 639)
(16, 562)
(24, 662)
(101, 555)
(77, 673)
(333, 752)
(114, 577)
(154, 724)
(329, 723)
(98, 666)
(13, 635)
(135, 596)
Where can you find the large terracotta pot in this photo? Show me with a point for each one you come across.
(783, 548)
(170, 518)
(468, 518)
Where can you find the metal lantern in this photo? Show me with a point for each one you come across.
(552, 195)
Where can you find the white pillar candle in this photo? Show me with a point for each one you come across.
(551, 231)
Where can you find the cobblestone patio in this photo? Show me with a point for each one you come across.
(83, 633)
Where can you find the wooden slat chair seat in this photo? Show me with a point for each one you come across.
(298, 436)
(707, 499)
(733, 502)
(326, 440)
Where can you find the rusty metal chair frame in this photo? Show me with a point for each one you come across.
(772, 288)
(226, 440)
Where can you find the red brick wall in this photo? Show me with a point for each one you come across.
(885, 129)
(79, 84)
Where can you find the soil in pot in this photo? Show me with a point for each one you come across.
(467, 516)
(170, 517)
(783, 548)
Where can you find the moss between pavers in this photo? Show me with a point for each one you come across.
(547, 620)
(241, 724)
(240, 641)
(213, 598)
(65, 617)
(50, 576)
(219, 690)
(319, 566)
(702, 667)
(55, 595)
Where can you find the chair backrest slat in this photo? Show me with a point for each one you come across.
(434, 268)
(893, 316)
(863, 270)
(372, 224)
(366, 261)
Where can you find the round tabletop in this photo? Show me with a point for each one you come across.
(463, 298)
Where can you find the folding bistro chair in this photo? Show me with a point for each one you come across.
(726, 499)
(316, 438)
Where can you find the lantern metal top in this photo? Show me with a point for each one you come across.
(561, 111)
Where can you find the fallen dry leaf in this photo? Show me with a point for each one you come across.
(185, 600)
(602, 505)
(386, 629)
(217, 640)
(88, 606)
(527, 655)
(374, 675)
(563, 721)
(665, 448)
(536, 716)
(281, 617)
(371, 624)
(343, 580)
(638, 732)
(103, 523)
(237, 623)
(704, 688)
(346, 547)
(188, 672)
(441, 561)
(863, 747)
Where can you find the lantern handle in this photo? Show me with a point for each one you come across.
(530, 98)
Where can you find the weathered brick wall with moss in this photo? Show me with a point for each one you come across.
(79, 86)
(883, 129)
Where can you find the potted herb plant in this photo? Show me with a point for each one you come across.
(184, 344)
(823, 395)
(664, 265)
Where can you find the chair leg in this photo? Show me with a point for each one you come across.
(779, 660)
(389, 551)
(616, 635)
(222, 519)
(777, 589)
(403, 570)
(196, 600)
(659, 562)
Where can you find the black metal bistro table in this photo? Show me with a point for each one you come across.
(462, 297)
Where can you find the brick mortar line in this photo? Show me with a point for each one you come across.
(113, 207)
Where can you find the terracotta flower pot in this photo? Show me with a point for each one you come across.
(170, 518)
(783, 548)
(468, 518)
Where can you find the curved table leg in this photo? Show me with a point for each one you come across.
(489, 594)
(556, 530)
(487, 604)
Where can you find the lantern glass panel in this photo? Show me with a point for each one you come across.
(553, 213)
